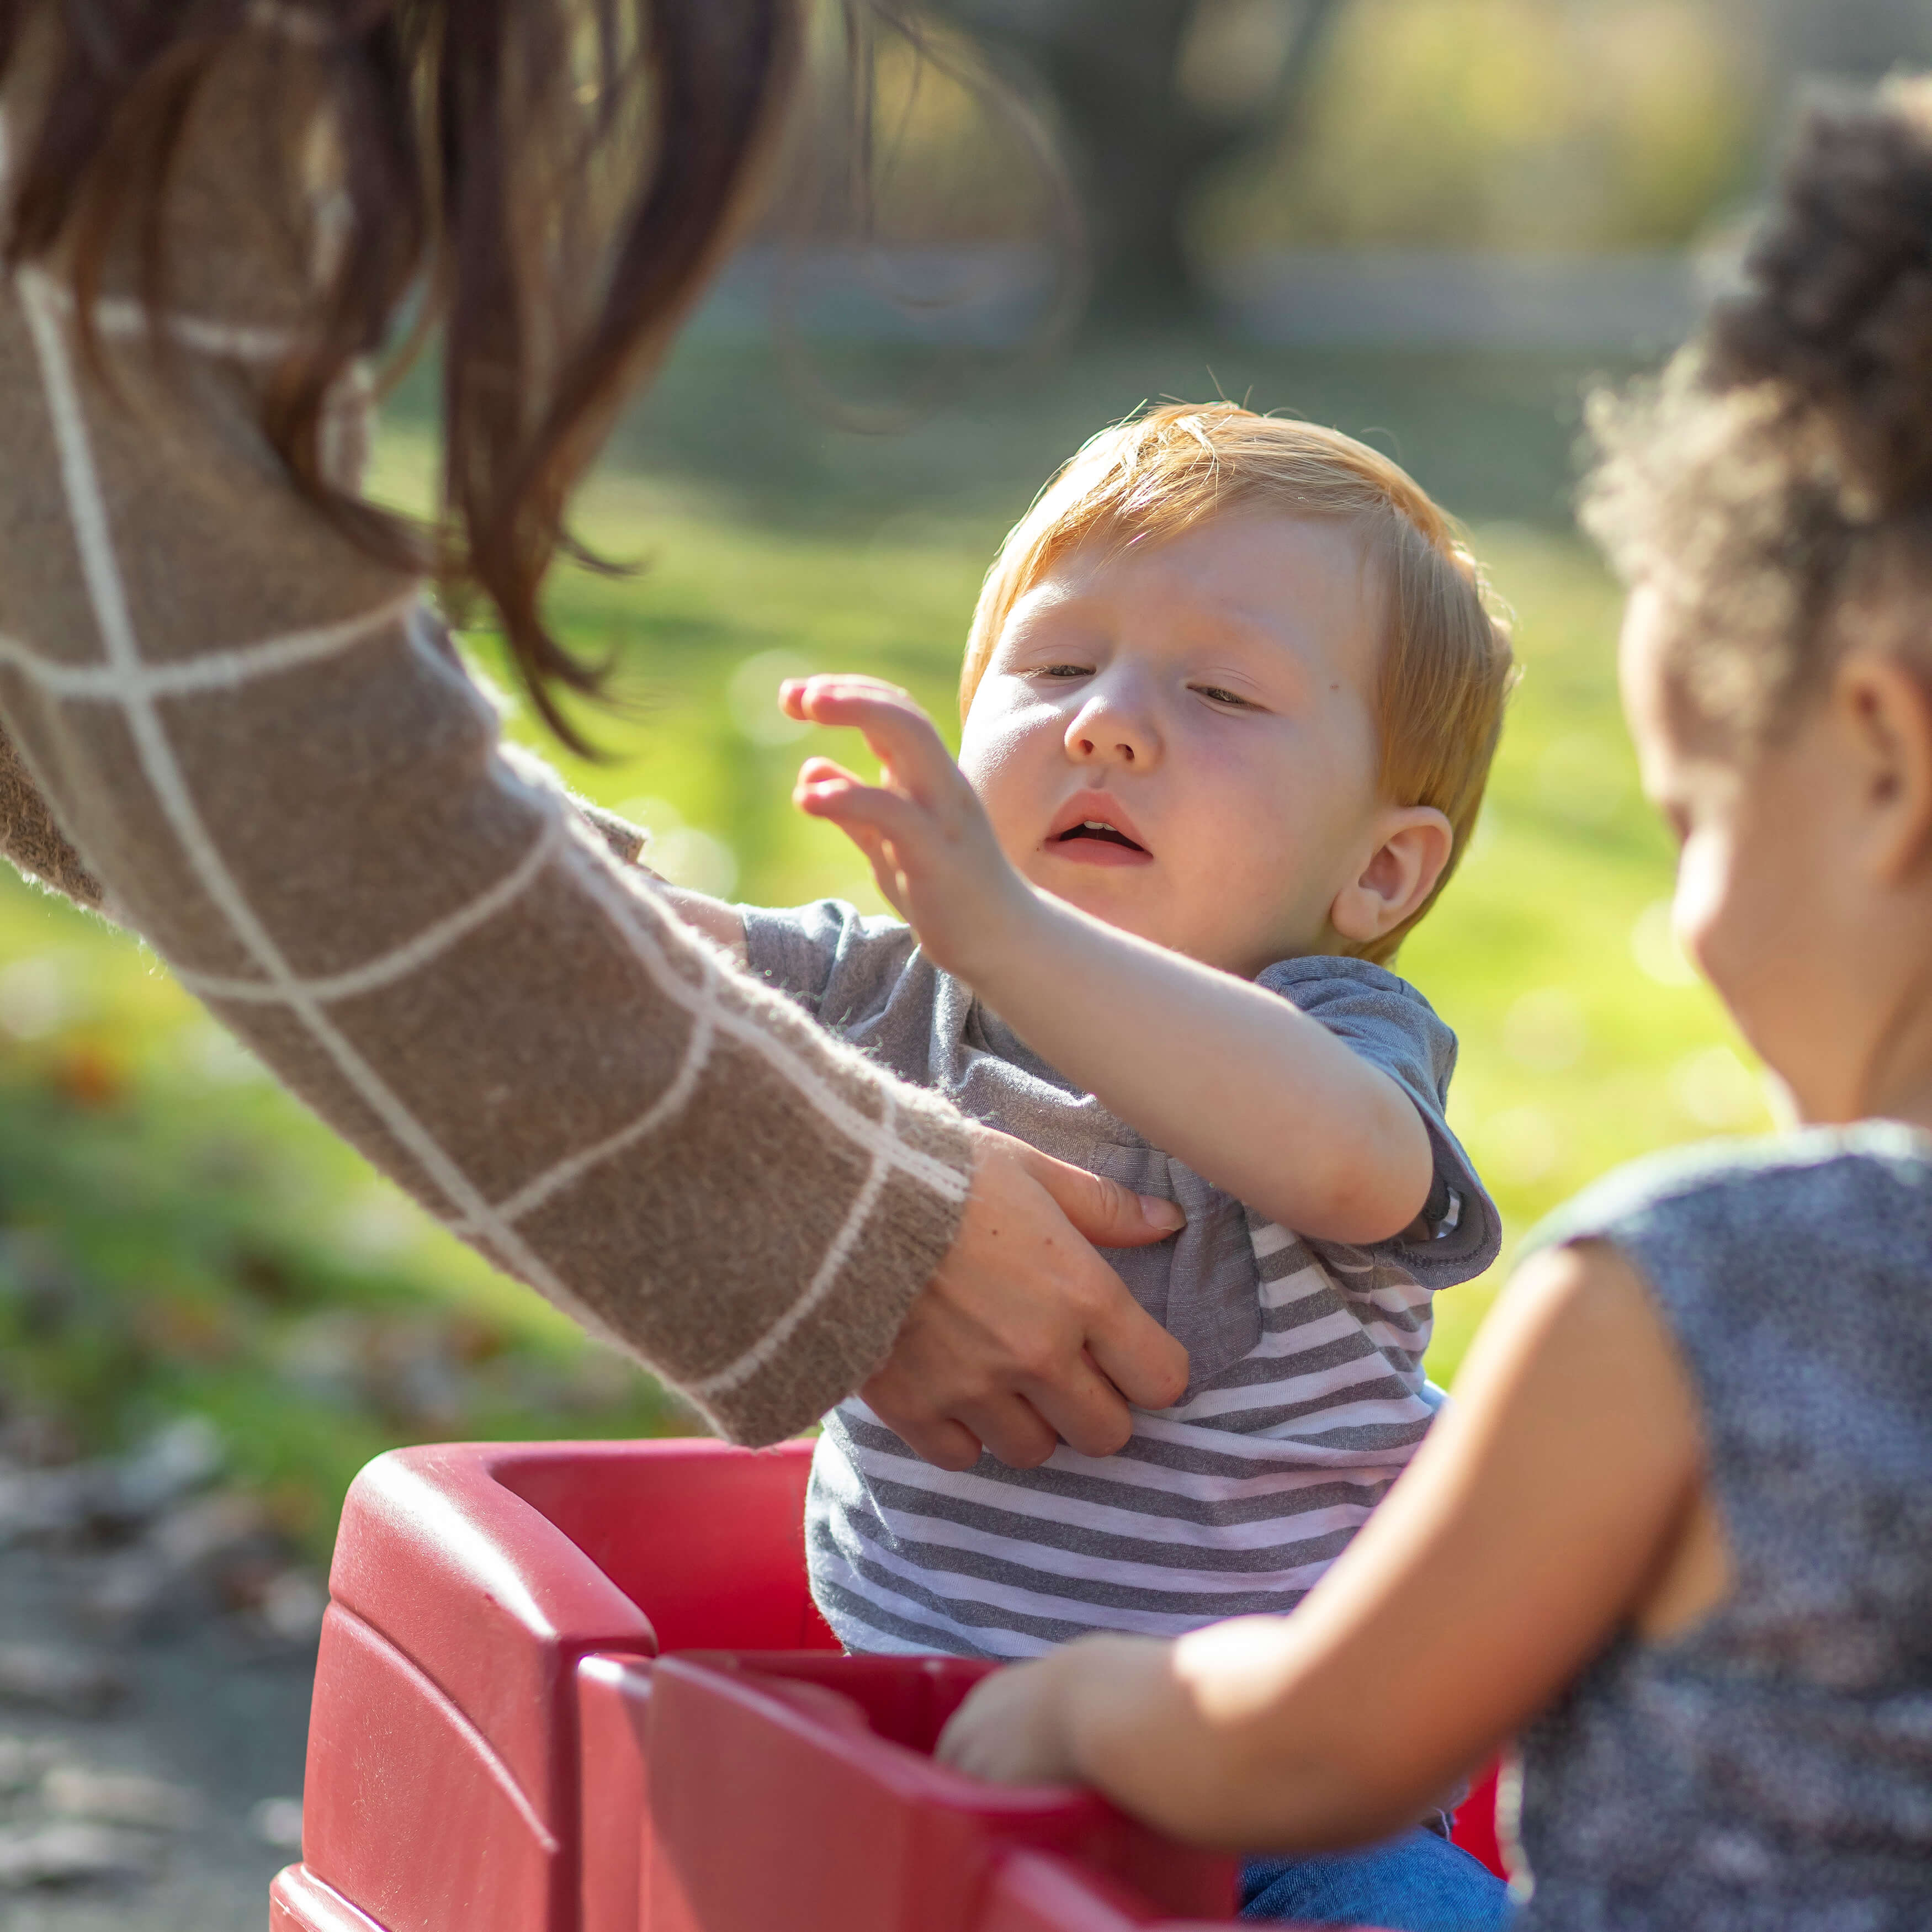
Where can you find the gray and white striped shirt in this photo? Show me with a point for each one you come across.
(1307, 1395)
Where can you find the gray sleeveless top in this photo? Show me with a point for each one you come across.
(1771, 1771)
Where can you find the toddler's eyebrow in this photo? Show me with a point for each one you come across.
(1274, 632)
(1208, 618)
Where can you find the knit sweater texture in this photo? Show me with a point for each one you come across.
(242, 736)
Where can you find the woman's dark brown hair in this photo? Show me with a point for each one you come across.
(477, 138)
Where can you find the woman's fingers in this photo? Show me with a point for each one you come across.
(944, 1442)
(1013, 1429)
(1078, 1405)
(1016, 1319)
(1150, 1370)
(1126, 1347)
(1109, 1215)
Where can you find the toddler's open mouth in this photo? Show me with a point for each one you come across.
(1092, 831)
(1098, 828)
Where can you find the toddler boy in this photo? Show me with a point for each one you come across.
(1230, 695)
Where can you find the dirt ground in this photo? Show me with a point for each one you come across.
(150, 1773)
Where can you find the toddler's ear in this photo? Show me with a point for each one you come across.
(1415, 841)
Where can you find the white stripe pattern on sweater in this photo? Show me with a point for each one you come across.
(414, 954)
(764, 1351)
(137, 686)
(87, 511)
(121, 318)
(225, 668)
(875, 1136)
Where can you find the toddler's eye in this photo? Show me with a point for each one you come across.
(1217, 693)
(1064, 671)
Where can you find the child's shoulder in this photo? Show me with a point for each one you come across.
(1336, 975)
(841, 964)
(1349, 995)
(1834, 1189)
(1378, 1012)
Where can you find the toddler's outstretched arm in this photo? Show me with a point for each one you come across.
(1261, 1099)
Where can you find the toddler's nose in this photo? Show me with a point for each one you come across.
(1107, 732)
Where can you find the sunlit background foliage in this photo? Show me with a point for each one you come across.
(175, 1234)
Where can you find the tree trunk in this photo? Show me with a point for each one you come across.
(1141, 150)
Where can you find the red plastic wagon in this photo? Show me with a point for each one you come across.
(581, 1688)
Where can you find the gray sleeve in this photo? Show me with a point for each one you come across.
(841, 966)
(1392, 1027)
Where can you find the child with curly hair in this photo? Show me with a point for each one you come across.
(1678, 1523)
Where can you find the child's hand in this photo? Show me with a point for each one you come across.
(1012, 1728)
(931, 847)
(1049, 1722)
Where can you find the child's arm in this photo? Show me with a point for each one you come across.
(1261, 1099)
(702, 914)
(1559, 1497)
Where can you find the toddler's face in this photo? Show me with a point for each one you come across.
(1180, 739)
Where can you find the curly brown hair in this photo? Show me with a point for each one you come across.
(1775, 485)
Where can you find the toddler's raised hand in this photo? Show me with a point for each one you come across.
(931, 845)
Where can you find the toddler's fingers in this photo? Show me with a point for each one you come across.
(849, 805)
(897, 731)
(873, 844)
(1010, 1729)
(824, 772)
(978, 1738)
(852, 808)
(798, 697)
(879, 855)
(799, 690)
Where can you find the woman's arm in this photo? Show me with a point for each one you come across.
(257, 738)
(1556, 1499)
(1263, 1100)
(724, 924)
(29, 837)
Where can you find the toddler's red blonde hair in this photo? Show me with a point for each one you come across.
(1447, 665)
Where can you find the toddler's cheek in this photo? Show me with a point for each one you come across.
(1005, 768)
(997, 739)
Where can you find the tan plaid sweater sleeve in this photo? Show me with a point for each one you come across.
(260, 743)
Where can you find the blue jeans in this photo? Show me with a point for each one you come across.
(1417, 1882)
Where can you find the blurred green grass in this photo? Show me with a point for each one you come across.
(175, 1233)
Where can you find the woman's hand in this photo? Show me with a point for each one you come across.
(931, 845)
(1025, 1335)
